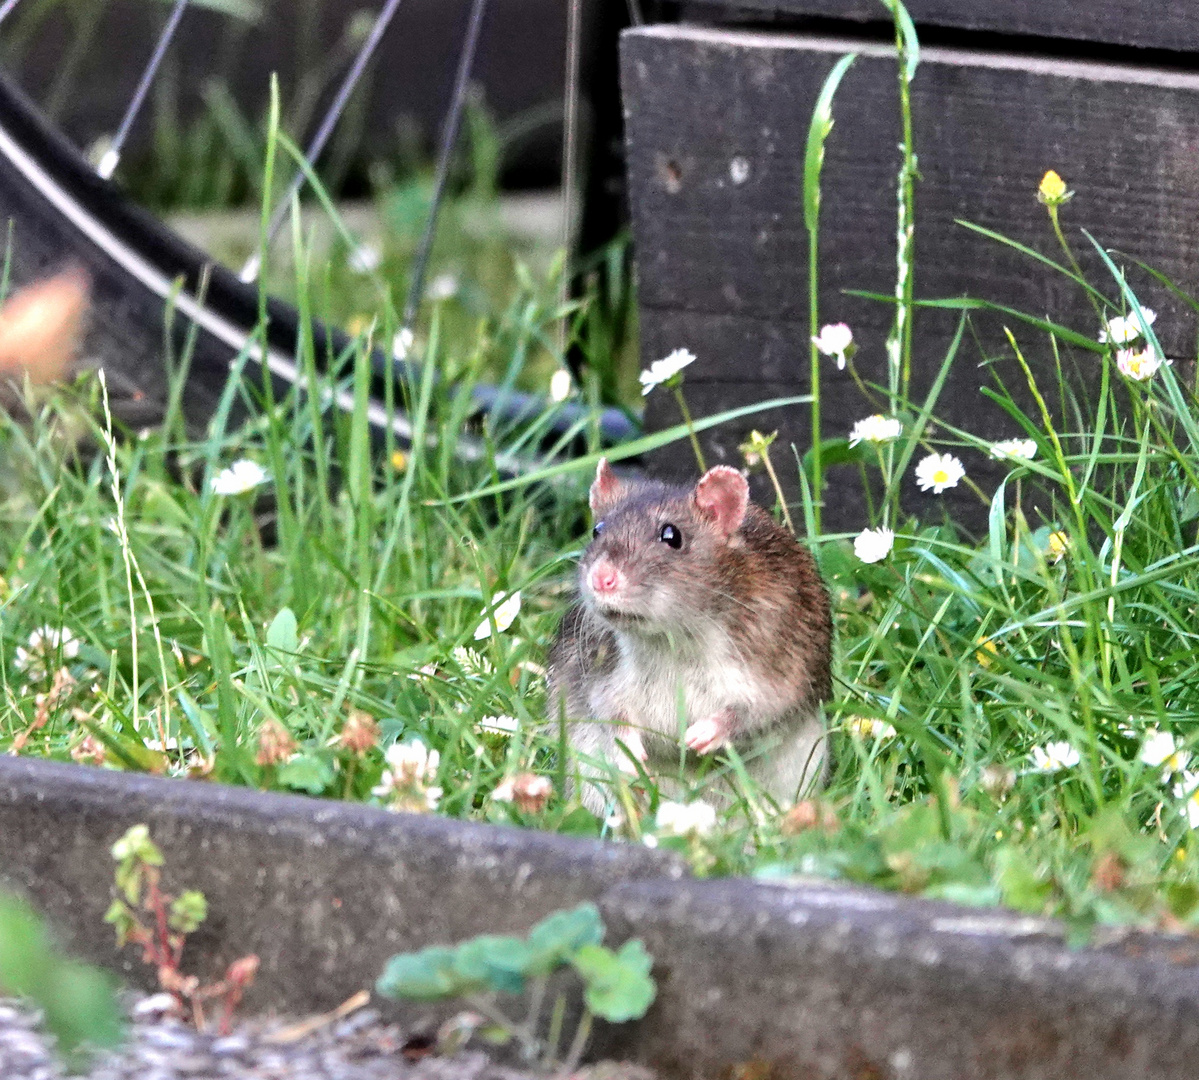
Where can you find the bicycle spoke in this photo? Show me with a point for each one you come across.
(112, 155)
(253, 265)
(449, 136)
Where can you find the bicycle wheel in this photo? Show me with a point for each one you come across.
(59, 210)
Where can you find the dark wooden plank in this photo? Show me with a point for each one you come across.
(722, 251)
(1171, 25)
(716, 129)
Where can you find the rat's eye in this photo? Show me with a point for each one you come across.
(599, 528)
(671, 535)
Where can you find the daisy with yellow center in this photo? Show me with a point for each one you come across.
(938, 472)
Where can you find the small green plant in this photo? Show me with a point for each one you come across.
(172, 918)
(78, 1002)
(617, 985)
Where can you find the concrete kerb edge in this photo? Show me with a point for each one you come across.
(803, 980)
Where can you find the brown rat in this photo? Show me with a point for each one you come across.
(698, 617)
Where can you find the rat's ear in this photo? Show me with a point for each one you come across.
(606, 489)
(722, 496)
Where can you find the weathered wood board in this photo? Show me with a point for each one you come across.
(716, 124)
(1172, 25)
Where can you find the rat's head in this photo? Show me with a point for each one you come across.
(657, 552)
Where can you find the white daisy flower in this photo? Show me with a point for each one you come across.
(938, 472)
(500, 725)
(504, 612)
(1014, 450)
(685, 819)
(240, 477)
(662, 371)
(1055, 756)
(869, 727)
(875, 429)
(835, 340)
(1122, 329)
(1139, 366)
(873, 545)
(1160, 748)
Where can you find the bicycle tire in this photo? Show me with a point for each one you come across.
(60, 211)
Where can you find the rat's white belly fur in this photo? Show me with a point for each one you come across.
(782, 746)
(652, 679)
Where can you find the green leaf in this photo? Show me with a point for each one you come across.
(1022, 886)
(619, 985)
(188, 911)
(306, 772)
(555, 939)
(818, 131)
(498, 963)
(78, 1002)
(1182, 898)
(283, 633)
(836, 452)
(428, 975)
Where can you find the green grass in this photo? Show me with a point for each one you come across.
(236, 636)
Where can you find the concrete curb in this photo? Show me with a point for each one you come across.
(755, 980)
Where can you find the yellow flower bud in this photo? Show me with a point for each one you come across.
(1059, 544)
(1052, 190)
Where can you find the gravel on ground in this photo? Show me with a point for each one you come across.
(360, 1046)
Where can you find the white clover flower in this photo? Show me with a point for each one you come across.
(662, 371)
(1139, 366)
(1160, 748)
(685, 819)
(1122, 329)
(939, 471)
(500, 725)
(1055, 756)
(365, 259)
(869, 727)
(528, 791)
(1014, 450)
(560, 385)
(873, 545)
(835, 340)
(401, 344)
(47, 646)
(408, 773)
(240, 477)
(505, 611)
(1188, 788)
(442, 287)
(875, 429)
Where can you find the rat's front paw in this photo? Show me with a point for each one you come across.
(707, 736)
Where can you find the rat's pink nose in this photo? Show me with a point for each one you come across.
(603, 578)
